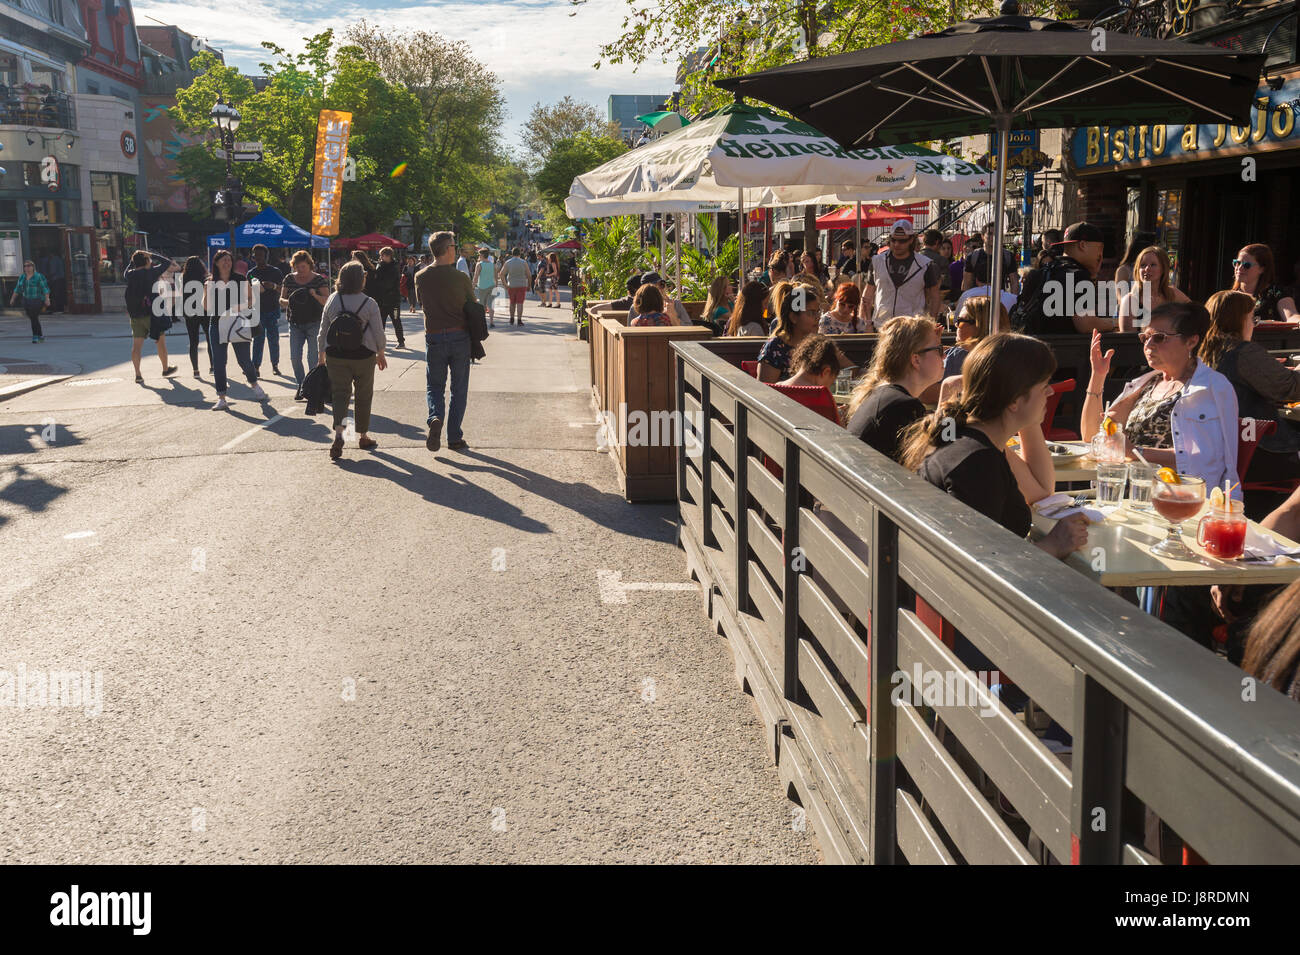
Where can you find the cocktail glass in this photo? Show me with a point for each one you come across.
(1177, 503)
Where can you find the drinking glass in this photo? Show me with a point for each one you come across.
(1110, 485)
(1222, 531)
(1177, 503)
(1140, 477)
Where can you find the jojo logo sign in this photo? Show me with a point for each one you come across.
(332, 131)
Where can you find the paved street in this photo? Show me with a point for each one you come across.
(400, 657)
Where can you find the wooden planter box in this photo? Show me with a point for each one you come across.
(635, 376)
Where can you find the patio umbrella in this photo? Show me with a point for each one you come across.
(733, 155)
(1002, 73)
(871, 215)
(370, 242)
(664, 121)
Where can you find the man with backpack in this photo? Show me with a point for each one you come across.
(351, 346)
(444, 290)
(1064, 298)
(978, 262)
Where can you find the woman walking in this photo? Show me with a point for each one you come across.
(194, 310)
(351, 345)
(552, 280)
(303, 297)
(34, 291)
(229, 296)
(145, 271)
(485, 284)
(385, 289)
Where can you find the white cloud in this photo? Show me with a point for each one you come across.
(539, 52)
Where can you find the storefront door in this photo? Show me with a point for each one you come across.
(81, 252)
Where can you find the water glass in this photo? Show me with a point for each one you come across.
(1110, 485)
(1140, 477)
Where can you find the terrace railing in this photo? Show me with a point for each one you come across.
(815, 576)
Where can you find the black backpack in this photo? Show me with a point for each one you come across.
(304, 308)
(1027, 313)
(345, 331)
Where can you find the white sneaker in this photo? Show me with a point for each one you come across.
(258, 393)
(222, 404)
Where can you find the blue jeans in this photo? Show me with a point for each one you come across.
(448, 351)
(298, 334)
(220, 355)
(267, 334)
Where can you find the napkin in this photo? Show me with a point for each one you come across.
(1057, 506)
(1262, 546)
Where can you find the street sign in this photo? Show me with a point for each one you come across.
(255, 147)
(238, 156)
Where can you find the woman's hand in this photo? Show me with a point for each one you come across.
(381, 362)
(1100, 363)
(320, 359)
(1069, 534)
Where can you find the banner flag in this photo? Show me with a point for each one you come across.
(331, 154)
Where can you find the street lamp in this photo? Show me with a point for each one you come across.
(225, 118)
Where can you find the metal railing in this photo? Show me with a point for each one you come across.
(44, 110)
(805, 541)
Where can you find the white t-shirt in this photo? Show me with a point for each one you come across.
(463, 266)
(1008, 299)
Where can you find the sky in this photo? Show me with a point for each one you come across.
(536, 49)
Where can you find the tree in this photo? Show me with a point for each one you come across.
(459, 110)
(547, 125)
(569, 158)
(283, 117)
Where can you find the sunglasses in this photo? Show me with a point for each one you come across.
(965, 320)
(931, 348)
(900, 238)
(1156, 338)
(1244, 266)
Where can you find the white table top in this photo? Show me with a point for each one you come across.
(1118, 554)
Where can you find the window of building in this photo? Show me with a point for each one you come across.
(9, 69)
(92, 88)
(43, 76)
(56, 11)
(44, 212)
(8, 210)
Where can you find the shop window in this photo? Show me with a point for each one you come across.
(8, 210)
(42, 76)
(1169, 220)
(44, 212)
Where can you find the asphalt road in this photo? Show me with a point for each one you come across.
(401, 657)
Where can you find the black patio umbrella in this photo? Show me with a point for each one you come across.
(1002, 73)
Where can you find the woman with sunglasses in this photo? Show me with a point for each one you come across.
(798, 309)
(1254, 274)
(907, 360)
(1151, 289)
(1183, 414)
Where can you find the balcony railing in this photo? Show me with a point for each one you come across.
(50, 109)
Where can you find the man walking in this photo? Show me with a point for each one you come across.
(444, 291)
(267, 331)
(515, 277)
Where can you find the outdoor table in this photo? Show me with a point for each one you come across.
(1075, 469)
(1125, 540)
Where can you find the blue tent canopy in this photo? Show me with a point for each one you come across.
(272, 230)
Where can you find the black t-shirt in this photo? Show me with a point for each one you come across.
(268, 275)
(883, 415)
(978, 262)
(140, 290)
(976, 473)
(304, 307)
(1049, 308)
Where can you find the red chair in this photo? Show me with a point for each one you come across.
(1246, 449)
(1057, 434)
(816, 397)
(749, 368)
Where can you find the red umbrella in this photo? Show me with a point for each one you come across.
(872, 215)
(571, 244)
(371, 242)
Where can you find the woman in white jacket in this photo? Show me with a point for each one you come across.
(1183, 414)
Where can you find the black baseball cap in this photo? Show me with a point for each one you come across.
(633, 284)
(652, 278)
(1081, 232)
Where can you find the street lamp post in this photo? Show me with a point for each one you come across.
(225, 118)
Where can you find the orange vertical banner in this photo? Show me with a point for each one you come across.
(332, 131)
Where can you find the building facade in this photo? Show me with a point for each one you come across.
(1205, 190)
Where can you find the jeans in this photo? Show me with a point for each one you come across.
(34, 316)
(448, 351)
(297, 335)
(347, 374)
(267, 334)
(220, 356)
(193, 326)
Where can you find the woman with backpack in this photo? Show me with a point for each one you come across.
(229, 297)
(351, 345)
(302, 297)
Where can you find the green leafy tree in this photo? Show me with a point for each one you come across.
(569, 158)
(550, 124)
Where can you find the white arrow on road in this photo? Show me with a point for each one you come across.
(614, 591)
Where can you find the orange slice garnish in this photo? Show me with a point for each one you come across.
(1168, 475)
(1109, 426)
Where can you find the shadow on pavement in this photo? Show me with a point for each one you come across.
(29, 491)
(454, 492)
(16, 438)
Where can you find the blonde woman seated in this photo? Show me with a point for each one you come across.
(797, 308)
(972, 328)
(1151, 278)
(908, 359)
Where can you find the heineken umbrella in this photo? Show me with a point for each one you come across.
(733, 155)
(1002, 73)
(664, 121)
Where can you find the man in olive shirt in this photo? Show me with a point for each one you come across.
(443, 292)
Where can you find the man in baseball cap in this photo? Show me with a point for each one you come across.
(1069, 299)
(898, 281)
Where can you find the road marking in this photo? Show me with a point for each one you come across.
(29, 385)
(76, 535)
(614, 591)
(83, 382)
(250, 432)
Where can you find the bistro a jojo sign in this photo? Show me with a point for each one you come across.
(1273, 126)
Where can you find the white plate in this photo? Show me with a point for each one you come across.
(1077, 449)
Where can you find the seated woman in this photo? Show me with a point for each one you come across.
(717, 305)
(961, 448)
(972, 328)
(1183, 414)
(908, 359)
(797, 308)
(1253, 273)
(1260, 381)
(648, 309)
(747, 316)
(843, 317)
(1151, 289)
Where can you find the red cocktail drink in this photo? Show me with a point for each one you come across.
(1179, 508)
(1222, 532)
(1176, 501)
